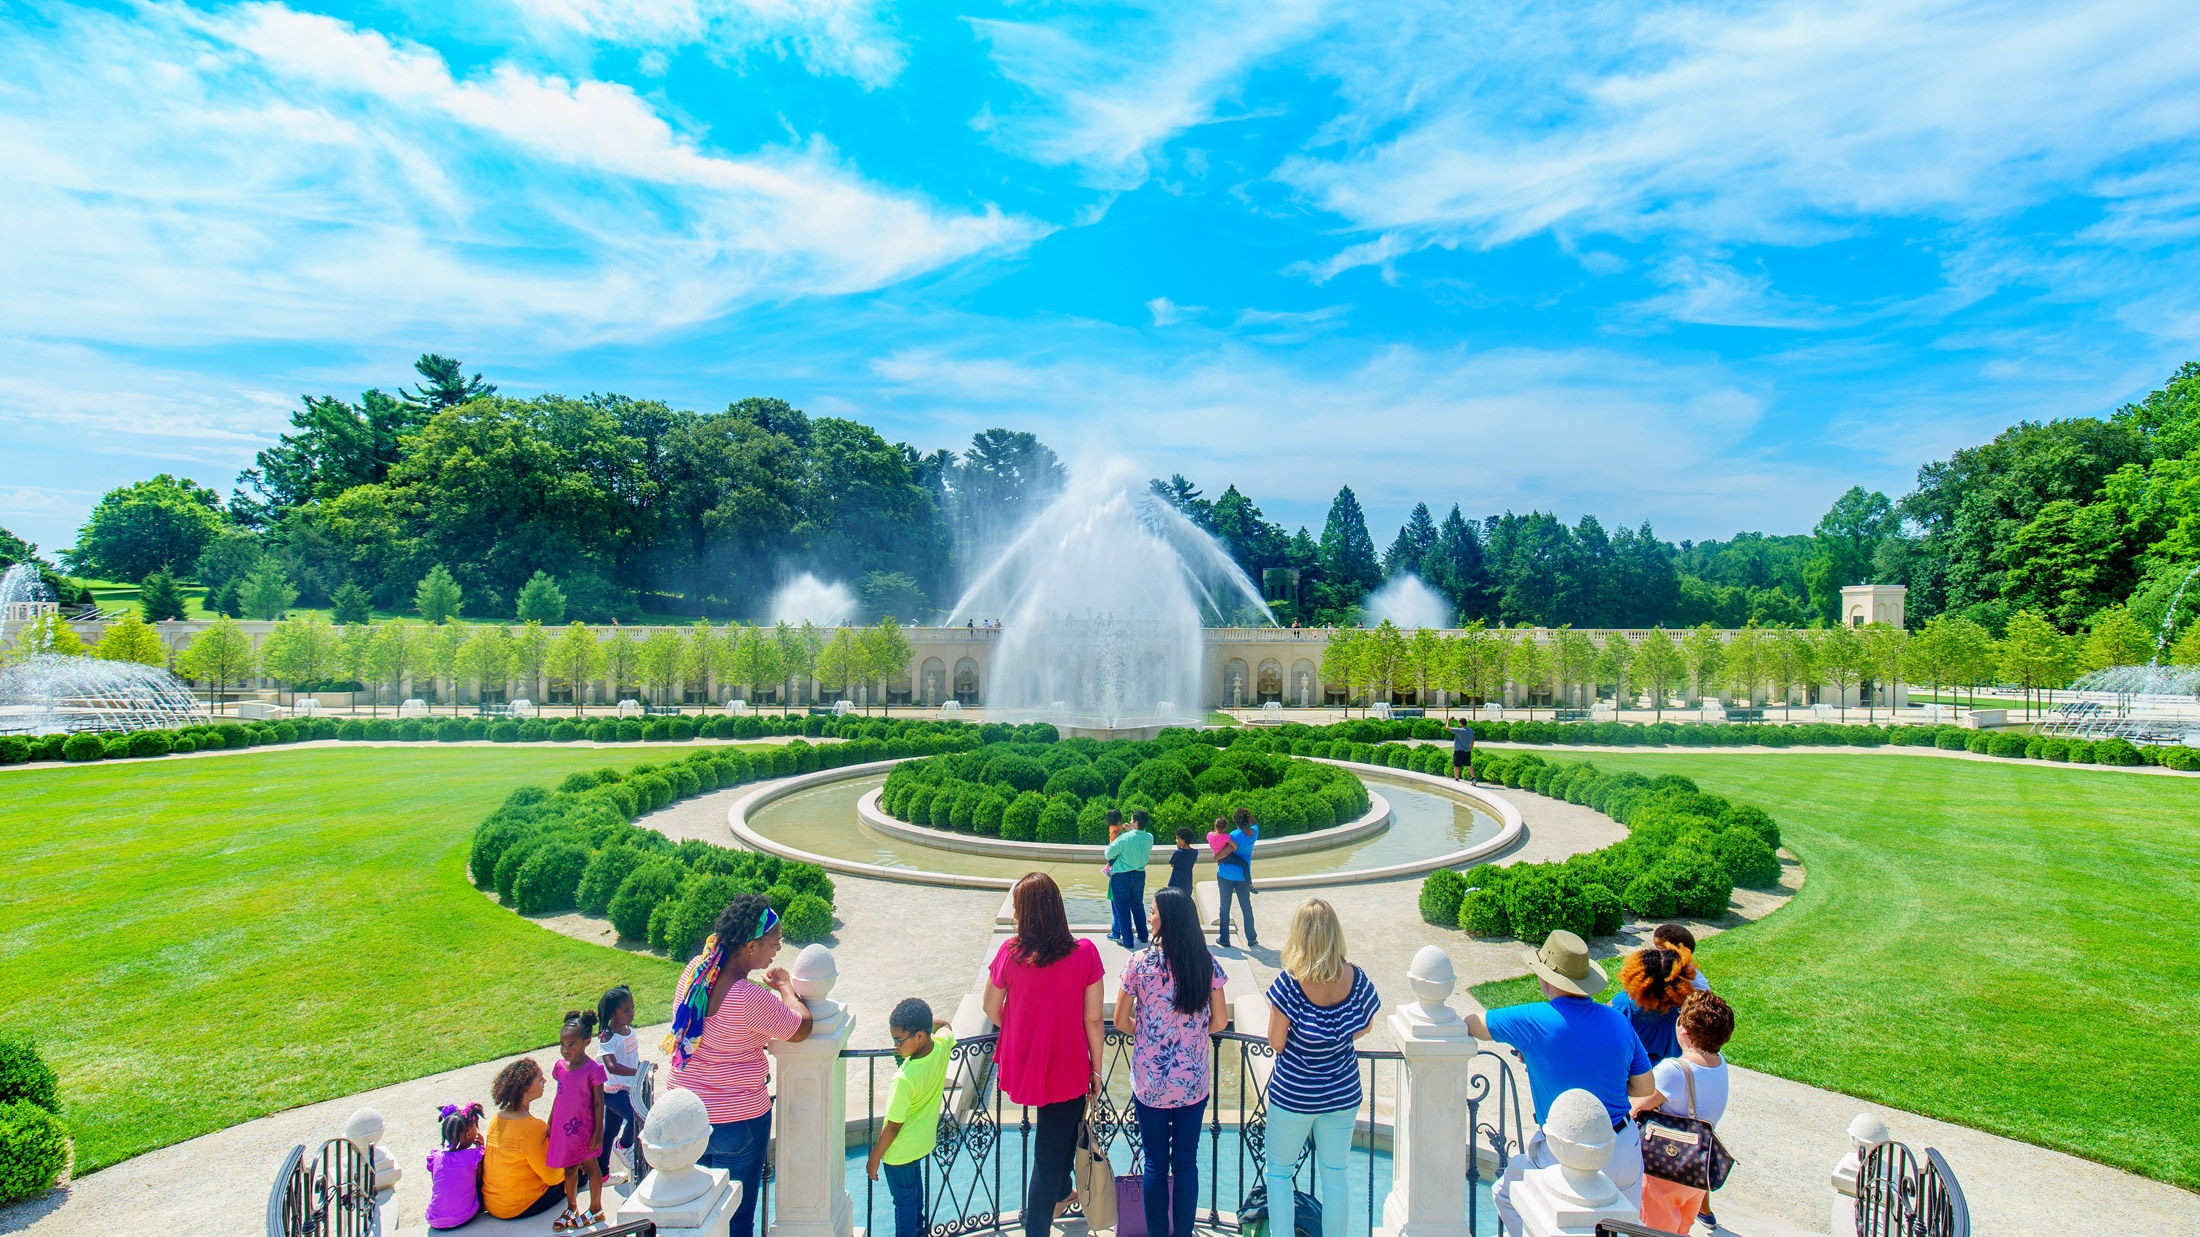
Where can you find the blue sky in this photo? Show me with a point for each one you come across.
(1706, 264)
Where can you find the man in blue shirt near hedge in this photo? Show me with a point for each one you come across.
(1234, 877)
(1569, 1041)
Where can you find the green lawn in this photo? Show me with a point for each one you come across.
(198, 942)
(2005, 946)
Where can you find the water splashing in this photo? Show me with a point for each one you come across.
(824, 603)
(1408, 603)
(2169, 616)
(1102, 600)
(46, 693)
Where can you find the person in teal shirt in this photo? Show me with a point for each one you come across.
(913, 1111)
(1127, 853)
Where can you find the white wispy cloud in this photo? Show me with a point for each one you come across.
(1784, 123)
(259, 172)
(851, 38)
(1168, 313)
(1715, 293)
(1109, 90)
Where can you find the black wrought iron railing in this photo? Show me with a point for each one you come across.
(327, 1194)
(975, 1176)
(1899, 1196)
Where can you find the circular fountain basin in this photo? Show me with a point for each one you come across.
(1373, 821)
(1432, 823)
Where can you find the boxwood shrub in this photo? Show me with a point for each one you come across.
(34, 1149)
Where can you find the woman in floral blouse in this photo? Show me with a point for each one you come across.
(1170, 1004)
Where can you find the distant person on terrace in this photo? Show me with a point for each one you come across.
(720, 1024)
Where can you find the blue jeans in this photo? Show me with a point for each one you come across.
(906, 1183)
(1169, 1139)
(738, 1147)
(618, 1125)
(1243, 892)
(1287, 1133)
(1127, 898)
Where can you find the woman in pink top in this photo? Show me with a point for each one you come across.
(1043, 990)
(721, 1023)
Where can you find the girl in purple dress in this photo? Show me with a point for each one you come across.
(576, 1122)
(454, 1169)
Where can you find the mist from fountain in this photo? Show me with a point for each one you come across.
(805, 597)
(1408, 603)
(1102, 599)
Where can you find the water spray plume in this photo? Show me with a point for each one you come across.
(1408, 604)
(824, 603)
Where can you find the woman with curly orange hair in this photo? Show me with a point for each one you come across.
(1654, 983)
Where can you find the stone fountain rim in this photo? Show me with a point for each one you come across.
(1512, 829)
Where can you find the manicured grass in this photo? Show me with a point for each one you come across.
(2005, 946)
(198, 942)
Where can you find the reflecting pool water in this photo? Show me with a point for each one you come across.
(823, 820)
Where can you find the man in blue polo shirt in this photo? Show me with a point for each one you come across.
(1567, 1041)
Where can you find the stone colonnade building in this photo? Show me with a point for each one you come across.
(1243, 668)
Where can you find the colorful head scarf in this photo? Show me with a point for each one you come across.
(694, 1008)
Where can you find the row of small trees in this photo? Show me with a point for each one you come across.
(2032, 655)
(308, 649)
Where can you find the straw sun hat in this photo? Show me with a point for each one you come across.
(1564, 964)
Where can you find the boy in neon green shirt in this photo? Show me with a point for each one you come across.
(913, 1112)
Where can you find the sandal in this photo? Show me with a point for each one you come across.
(595, 1219)
(568, 1222)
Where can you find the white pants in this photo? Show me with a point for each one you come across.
(1625, 1170)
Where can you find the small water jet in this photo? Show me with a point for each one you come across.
(1102, 599)
(1408, 603)
(47, 693)
(807, 598)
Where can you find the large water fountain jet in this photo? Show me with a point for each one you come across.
(1102, 599)
(1408, 603)
(48, 693)
(805, 597)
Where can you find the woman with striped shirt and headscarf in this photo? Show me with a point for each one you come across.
(721, 1022)
(1317, 1008)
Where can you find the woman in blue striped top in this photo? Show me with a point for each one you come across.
(1316, 1009)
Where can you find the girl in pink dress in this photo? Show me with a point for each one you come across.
(576, 1122)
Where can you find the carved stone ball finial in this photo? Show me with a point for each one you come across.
(814, 974)
(1579, 1134)
(363, 1131)
(1432, 979)
(1867, 1131)
(676, 1135)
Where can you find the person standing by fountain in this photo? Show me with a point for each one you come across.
(1462, 753)
(1044, 990)
(1127, 854)
(1234, 877)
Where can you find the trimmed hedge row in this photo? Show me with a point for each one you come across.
(1684, 853)
(1061, 792)
(898, 737)
(575, 846)
(34, 1145)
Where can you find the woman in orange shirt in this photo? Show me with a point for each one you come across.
(516, 1177)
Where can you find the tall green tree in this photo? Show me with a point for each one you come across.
(1840, 655)
(1789, 663)
(622, 660)
(839, 664)
(299, 651)
(886, 653)
(1704, 649)
(1615, 664)
(437, 596)
(2034, 655)
(388, 659)
(531, 656)
(485, 659)
(443, 384)
(355, 656)
(159, 599)
(162, 523)
(1416, 540)
(1573, 659)
(1848, 536)
(576, 659)
(755, 660)
(438, 650)
(540, 600)
(218, 656)
(129, 639)
(351, 605)
(1886, 649)
(1349, 567)
(1659, 664)
(1745, 663)
(660, 660)
(1531, 668)
(2117, 639)
(267, 594)
(1340, 662)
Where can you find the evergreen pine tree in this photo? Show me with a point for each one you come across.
(437, 596)
(350, 604)
(229, 599)
(158, 597)
(1349, 567)
(540, 600)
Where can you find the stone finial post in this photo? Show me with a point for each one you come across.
(1428, 1192)
(1865, 1133)
(812, 1111)
(1571, 1197)
(364, 1131)
(683, 1200)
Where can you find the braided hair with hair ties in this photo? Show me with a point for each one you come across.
(457, 1123)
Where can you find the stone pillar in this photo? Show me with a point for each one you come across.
(1571, 1197)
(1428, 1192)
(1865, 1133)
(808, 1172)
(683, 1200)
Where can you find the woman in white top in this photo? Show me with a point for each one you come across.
(1692, 1084)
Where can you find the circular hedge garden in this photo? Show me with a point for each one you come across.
(1061, 791)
